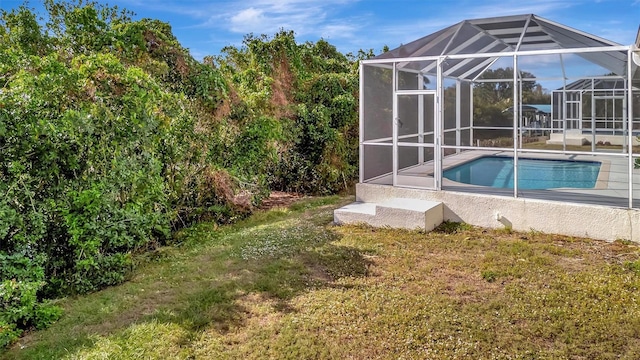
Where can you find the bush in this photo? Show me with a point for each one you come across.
(113, 136)
(315, 104)
(99, 143)
(22, 309)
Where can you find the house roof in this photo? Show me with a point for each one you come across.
(598, 84)
(539, 108)
(503, 34)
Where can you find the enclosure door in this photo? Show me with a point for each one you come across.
(413, 148)
(573, 110)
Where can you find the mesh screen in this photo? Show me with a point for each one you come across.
(377, 100)
(378, 161)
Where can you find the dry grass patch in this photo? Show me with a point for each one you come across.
(286, 284)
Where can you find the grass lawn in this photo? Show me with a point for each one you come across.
(286, 284)
(542, 145)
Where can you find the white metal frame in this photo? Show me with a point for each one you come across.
(396, 138)
(398, 64)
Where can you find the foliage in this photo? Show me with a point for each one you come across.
(19, 305)
(452, 227)
(89, 145)
(113, 136)
(491, 99)
(501, 91)
(310, 92)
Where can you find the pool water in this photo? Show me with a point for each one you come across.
(497, 172)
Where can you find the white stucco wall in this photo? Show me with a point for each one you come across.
(581, 220)
(614, 139)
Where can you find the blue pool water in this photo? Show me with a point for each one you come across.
(497, 172)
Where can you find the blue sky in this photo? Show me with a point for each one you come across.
(205, 26)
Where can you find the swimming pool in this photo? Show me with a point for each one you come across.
(497, 172)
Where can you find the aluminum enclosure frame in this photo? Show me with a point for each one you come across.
(466, 70)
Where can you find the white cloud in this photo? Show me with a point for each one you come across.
(250, 18)
(305, 17)
(247, 15)
(225, 20)
(333, 31)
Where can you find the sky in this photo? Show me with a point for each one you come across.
(206, 26)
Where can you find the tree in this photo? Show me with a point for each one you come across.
(502, 91)
(492, 98)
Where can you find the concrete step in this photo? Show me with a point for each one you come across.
(571, 138)
(570, 141)
(395, 213)
(355, 213)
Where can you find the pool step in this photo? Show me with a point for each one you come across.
(400, 213)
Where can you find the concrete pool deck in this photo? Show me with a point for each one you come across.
(611, 186)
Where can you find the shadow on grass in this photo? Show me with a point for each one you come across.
(277, 279)
(206, 292)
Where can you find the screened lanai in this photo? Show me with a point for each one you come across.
(430, 108)
(595, 106)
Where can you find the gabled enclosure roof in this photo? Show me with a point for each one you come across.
(597, 84)
(516, 33)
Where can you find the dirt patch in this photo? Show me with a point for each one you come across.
(318, 273)
(280, 199)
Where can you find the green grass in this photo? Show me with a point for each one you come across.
(287, 284)
(542, 145)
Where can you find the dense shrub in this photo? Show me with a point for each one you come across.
(311, 89)
(112, 136)
(97, 150)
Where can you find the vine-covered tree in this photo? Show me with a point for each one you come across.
(112, 136)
